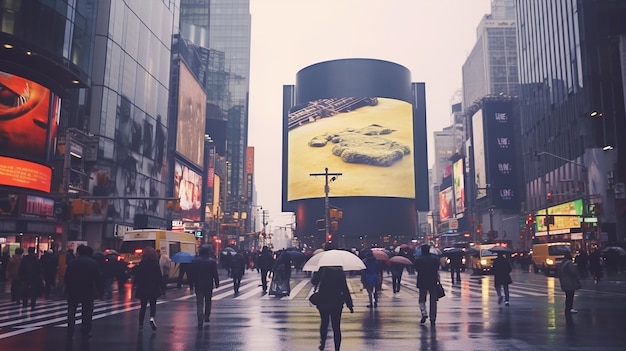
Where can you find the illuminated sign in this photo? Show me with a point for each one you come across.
(25, 174)
(445, 204)
(368, 139)
(478, 144)
(187, 187)
(459, 186)
(38, 206)
(191, 117)
(27, 124)
(565, 216)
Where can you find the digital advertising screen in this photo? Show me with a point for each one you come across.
(501, 167)
(478, 143)
(566, 216)
(458, 174)
(369, 140)
(445, 204)
(191, 117)
(25, 174)
(188, 187)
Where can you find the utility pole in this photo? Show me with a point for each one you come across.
(326, 191)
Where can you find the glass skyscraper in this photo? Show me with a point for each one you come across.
(222, 28)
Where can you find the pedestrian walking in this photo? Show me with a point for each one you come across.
(369, 278)
(396, 276)
(266, 262)
(83, 284)
(502, 277)
(595, 264)
(570, 282)
(147, 282)
(456, 262)
(237, 269)
(204, 276)
(333, 289)
(49, 264)
(582, 259)
(13, 275)
(165, 263)
(426, 267)
(281, 275)
(31, 278)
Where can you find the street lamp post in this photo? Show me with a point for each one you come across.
(326, 200)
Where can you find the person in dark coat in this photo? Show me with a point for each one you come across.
(266, 262)
(237, 269)
(426, 267)
(595, 264)
(281, 275)
(570, 282)
(581, 262)
(369, 278)
(31, 276)
(502, 277)
(396, 276)
(203, 274)
(148, 280)
(50, 264)
(333, 289)
(13, 275)
(83, 284)
(456, 262)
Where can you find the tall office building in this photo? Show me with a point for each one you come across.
(490, 82)
(572, 64)
(222, 28)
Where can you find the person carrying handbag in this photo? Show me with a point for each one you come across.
(333, 293)
(427, 266)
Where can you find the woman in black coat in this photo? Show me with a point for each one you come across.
(502, 277)
(333, 290)
(148, 281)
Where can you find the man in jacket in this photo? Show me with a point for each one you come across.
(204, 277)
(570, 282)
(83, 284)
(266, 262)
(31, 278)
(426, 266)
(13, 275)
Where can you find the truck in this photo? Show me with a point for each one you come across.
(546, 257)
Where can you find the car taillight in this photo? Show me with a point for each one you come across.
(138, 251)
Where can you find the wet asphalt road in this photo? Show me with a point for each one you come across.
(469, 318)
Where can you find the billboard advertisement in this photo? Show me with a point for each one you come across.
(480, 169)
(249, 186)
(25, 174)
(367, 139)
(210, 176)
(445, 204)
(188, 187)
(191, 117)
(458, 174)
(500, 153)
(566, 216)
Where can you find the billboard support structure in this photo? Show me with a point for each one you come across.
(326, 191)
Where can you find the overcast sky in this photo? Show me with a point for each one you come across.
(432, 38)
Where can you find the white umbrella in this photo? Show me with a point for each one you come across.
(345, 259)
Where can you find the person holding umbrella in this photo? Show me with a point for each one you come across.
(333, 289)
(369, 278)
(502, 277)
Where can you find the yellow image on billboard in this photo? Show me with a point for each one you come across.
(369, 140)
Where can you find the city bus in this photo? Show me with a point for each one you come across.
(167, 241)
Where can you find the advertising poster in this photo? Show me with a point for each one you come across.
(478, 142)
(188, 187)
(191, 117)
(445, 204)
(459, 186)
(367, 139)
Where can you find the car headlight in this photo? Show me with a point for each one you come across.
(463, 260)
(549, 261)
(483, 262)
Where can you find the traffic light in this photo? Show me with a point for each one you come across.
(530, 219)
(549, 197)
(329, 237)
(77, 208)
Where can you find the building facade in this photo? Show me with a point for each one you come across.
(572, 107)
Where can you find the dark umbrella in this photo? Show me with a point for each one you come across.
(182, 257)
(453, 251)
(293, 254)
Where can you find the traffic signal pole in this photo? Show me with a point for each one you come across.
(326, 191)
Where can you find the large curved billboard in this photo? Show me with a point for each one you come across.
(29, 116)
(368, 139)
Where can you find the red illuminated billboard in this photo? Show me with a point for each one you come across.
(24, 174)
(27, 125)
